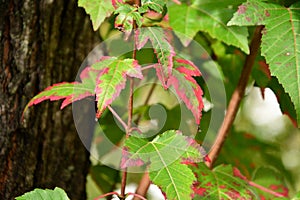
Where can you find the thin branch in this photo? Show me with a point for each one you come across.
(236, 97)
(264, 189)
(136, 195)
(145, 181)
(143, 186)
(130, 106)
(118, 117)
(129, 122)
(105, 195)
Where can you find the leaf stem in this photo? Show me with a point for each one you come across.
(118, 117)
(136, 195)
(149, 67)
(236, 97)
(262, 188)
(105, 195)
(130, 106)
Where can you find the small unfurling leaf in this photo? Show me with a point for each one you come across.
(127, 16)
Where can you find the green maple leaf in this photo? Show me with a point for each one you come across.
(97, 9)
(211, 17)
(57, 194)
(280, 41)
(166, 154)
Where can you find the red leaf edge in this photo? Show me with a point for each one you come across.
(197, 90)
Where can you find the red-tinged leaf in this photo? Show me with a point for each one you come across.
(70, 92)
(219, 183)
(112, 78)
(186, 87)
(116, 2)
(162, 48)
(126, 160)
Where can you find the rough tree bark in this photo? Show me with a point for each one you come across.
(42, 42)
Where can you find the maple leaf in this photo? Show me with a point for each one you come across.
(166, 154)
(46, 194)
(112, 78)
(209, 16)
(219, 183)
(186, 86)
(70, 92)
(162, 48)
(281, 49)
(98, 10)
(105, 78)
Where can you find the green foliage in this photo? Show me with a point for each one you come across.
(280, 41)
(296, 197)
(98, 10)
(105, 177)
(173, 160)
(166, 169)
(208, 16)
(39, 194)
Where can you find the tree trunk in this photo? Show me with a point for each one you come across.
(42, 42)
